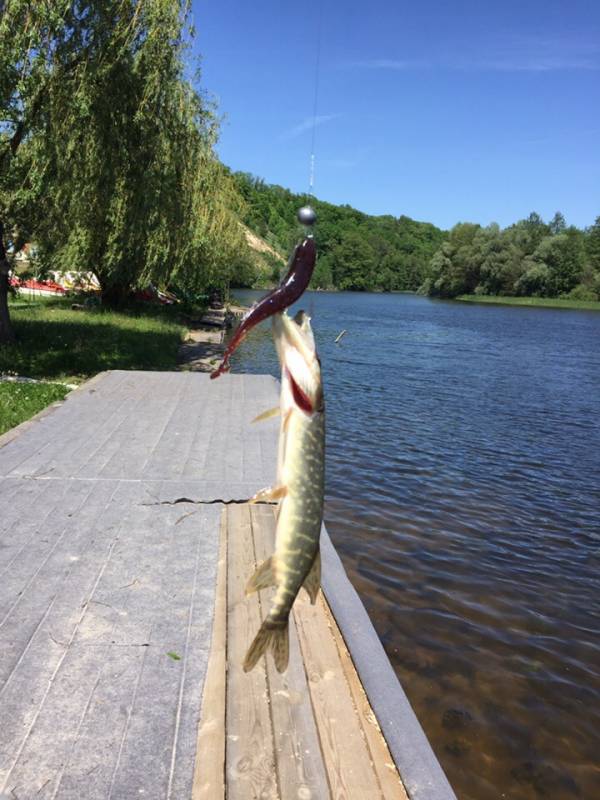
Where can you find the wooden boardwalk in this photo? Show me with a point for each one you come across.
(309, 733)
(125, 546)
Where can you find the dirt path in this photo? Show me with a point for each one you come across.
(204, 345)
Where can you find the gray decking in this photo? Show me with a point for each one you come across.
(105, 568)
(109, 536)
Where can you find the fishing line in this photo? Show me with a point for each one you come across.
(311, 170)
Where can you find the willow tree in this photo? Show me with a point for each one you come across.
(36, 54)
(116, 158)
(124, 180)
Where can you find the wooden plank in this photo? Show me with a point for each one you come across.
(383, 763)
(250, 757)
(209, 771)
(347, 757)
(298, 755)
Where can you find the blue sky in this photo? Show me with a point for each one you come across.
(444, 111)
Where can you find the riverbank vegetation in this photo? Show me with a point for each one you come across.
(356, 251)
(528, 259)
(534, 302)
(57, 343)
(364, 253)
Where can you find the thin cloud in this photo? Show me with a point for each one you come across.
(306, 125)
(518, 54)
(391, 64)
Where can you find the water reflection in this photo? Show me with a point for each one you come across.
(463, 490)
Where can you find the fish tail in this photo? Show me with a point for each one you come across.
(271, 636)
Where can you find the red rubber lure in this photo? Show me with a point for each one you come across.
(301, 266)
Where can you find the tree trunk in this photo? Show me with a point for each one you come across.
(114, 295)
(7, 335)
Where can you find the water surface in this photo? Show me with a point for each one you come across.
(463, 494)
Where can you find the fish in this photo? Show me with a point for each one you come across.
(296, 562)
(295, 281)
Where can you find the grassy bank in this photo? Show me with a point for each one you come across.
(20, 401)
(56, 343)
(538, 302)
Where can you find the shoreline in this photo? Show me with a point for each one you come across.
(487, 299)
(530, 302)
(204, 345)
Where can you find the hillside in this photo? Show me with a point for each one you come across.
(356, 251)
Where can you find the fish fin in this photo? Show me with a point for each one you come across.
(263, 577)
(269, 495)
(268, 414)
(286, 419)
(312, 582)
(269, 637)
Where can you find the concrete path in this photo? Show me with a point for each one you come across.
(110, 508)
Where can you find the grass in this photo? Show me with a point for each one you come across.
(20, 401)
(56, 343)
(538, 302)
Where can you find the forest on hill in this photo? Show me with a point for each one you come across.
(530, 258)
(356, 251)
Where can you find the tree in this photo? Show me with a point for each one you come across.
(455, 268)
(535, 280)
(557, 224)
(322, 276)
(556, 266)
(592, 245)
(35, 57)
(352, 263)
(528, 233)
(501, 262)
(130, 168)
(107, 153)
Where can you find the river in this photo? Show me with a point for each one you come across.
(463, 495)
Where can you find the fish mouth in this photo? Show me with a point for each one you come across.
(299, 361)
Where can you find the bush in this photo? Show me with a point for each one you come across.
(581, 292)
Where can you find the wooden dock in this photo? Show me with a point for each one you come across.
(125, 546)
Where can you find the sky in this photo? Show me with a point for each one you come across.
(443, 111)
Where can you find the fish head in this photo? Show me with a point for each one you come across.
(300, 363)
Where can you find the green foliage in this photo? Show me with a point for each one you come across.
(106, 148)
(455, 267)
(557, 224)
(528, 258)
(537, 302)
(20, 401)
(582, 292)
(356, 251)
(592, 246)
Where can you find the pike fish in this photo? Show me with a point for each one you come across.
(296, 562)
(297, 278)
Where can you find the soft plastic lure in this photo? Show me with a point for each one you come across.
(300, 270)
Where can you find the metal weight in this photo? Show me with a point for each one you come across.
(307, 215)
